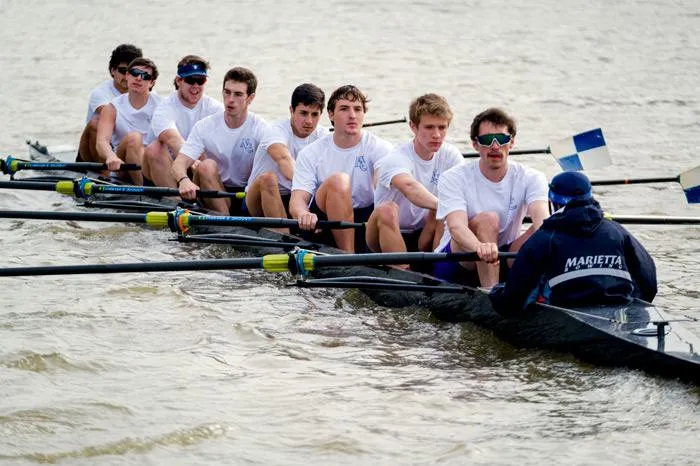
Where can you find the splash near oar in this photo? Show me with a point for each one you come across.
(582, 151)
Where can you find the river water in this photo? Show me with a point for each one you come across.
(233, 368)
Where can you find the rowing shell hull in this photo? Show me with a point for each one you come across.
(606, 335)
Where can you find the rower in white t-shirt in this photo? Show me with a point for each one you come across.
(484, 202)
(103, 94)
(406, 193)
(221, 147)
(336, 171)
(175, 117)
(125, 121)
(269, 187)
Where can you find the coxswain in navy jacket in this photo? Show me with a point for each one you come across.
(577, 258)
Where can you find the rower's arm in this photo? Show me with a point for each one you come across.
(280, 154)
(414, 191)
(299, 203)
(105, 129)
(171, 138)
(458, 224)
(538, 212)
(178, 169)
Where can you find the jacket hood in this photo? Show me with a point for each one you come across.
(578, 218)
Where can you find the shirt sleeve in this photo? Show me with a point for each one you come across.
(273, 134)
(453, 158)
(390, 166)
(98, 97)
(537, 187)
(194, 146)
(450, 194)
(304, 173)
(163, 119)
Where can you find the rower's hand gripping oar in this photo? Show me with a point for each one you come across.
(86, 188)
(12, 165)
(300, 262)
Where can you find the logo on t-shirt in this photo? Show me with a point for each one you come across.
(514, 204)
(248, 145)
(435, 178)
(361, 163)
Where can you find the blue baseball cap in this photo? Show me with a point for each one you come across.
(569, 186)
(191, 69)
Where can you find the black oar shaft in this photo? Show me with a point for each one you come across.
(74, 216)
(153, 191)
(399, 258)
(382, 123)
(213, 264)
(664, 179)
(72, 166)
(265, 222)
(31, 185)
(513, 152)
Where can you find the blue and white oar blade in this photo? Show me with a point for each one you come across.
(582, 151)
(690, 182)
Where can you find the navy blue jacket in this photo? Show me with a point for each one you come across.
(577, 258)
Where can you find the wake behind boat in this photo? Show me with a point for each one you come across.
(637, 335)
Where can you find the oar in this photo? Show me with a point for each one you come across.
(85, 188)
(646, 219)
(513, 152)
(382, 123)
(689, 181)
(179, 220)
(11, 165)
(301, 262)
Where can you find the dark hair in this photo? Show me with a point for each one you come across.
(348, 92)
(124, 53)
(493, 115)
(190, 60)
(308, 94)
(242, 75)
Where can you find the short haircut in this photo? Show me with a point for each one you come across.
(124, 53)
(190, 60)
(145, 62)
(242, 75)
(347, 92)
(308, 94)
(495, 116)
(429, 104)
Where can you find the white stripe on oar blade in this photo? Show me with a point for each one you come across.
(582, 151)
(690, 182)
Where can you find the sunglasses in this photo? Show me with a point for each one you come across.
(500, 138)
(122, 69)
(145, 75)
(192, 80)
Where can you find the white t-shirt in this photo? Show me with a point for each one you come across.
(281, 132)
(172, 114)
(465, 188)
(130, 119)
(404, 159)
(101, 95)
(232, 148)
(320, 159)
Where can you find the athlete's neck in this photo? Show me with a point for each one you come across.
(234, 122)
(422, 151)
(493, 174)
(138, 100)
(345, 140)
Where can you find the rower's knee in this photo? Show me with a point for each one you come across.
(207, 168)
(133, 141)
(153, 152)
(339, 183)
(387, 214)
(268, 183)
(485, 223)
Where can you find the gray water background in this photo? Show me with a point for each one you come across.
(232, 368)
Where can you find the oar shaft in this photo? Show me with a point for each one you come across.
(513, 152)
(213, 264)
(399, 258)
(74, 216)
(666, 179)
(31, 185)
(382, 123)
(71, 166)
(155, 191)
(265, 222)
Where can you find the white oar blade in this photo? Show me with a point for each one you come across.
(690, 181)
(582, 151)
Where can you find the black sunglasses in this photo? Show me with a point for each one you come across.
(122, 69)
(145, 75)
(192, 80)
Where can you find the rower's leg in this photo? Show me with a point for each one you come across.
(130, 150)
(427, 239)
(485, 226)
(206, 176)
(157, 163)
(88, 142)
(334, 197)
(388, 232)
(263, 198)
